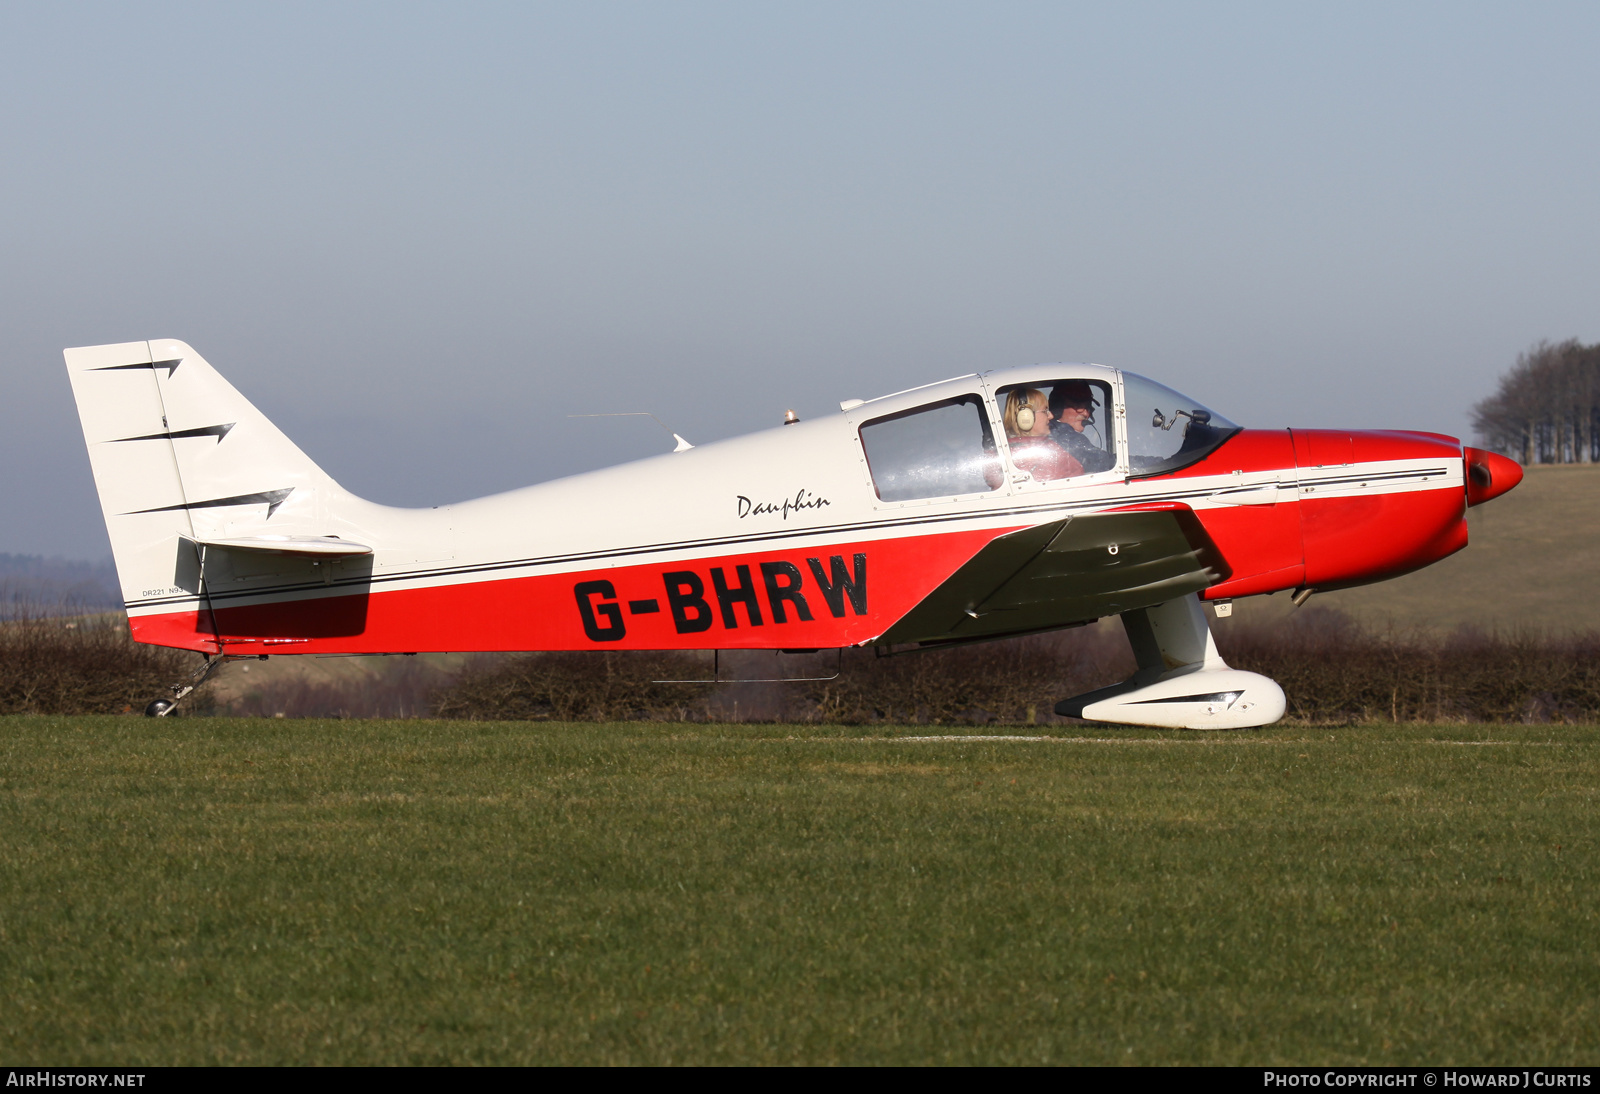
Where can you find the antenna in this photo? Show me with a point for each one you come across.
(683, 445)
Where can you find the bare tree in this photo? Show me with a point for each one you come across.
(1547, 409)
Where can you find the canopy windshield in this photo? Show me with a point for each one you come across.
(1167, 430)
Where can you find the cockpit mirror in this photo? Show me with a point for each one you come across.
(1199, 416)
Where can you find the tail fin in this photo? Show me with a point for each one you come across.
(180, 456)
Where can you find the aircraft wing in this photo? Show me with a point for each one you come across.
(1069, 571)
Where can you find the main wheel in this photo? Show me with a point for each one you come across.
(159, 708)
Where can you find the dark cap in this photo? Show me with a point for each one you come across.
(1071, 393)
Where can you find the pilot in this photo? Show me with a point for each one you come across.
(1027, 422)
(1072, 404)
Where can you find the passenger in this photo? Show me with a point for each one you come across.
(1072, 404)
(1027, 422)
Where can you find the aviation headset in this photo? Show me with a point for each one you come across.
(1025, 416)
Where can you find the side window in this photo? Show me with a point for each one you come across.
(933, 451)
(1059, 429)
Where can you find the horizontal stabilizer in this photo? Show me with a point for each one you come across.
(303, 546)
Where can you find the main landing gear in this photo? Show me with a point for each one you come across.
(1182, 682)
(160, 708)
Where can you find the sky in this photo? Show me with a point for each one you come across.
(421, 236)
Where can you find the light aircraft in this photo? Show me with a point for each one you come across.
(1004, 503)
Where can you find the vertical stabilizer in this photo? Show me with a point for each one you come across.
(178, 456)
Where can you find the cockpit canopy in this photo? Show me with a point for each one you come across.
(1055, 430)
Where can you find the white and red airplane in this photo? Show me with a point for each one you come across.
(1004, 503)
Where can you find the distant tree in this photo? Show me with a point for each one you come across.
(1547, 409)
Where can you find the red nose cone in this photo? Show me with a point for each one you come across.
(1489, 475)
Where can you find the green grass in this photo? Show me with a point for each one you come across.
(198, 891)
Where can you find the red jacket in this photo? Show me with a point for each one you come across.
(1045, 460)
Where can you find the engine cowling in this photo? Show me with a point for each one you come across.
(1356, 532)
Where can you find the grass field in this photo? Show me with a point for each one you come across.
(273, 891)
